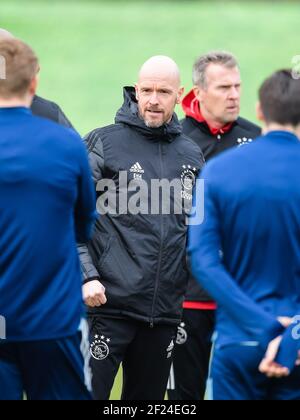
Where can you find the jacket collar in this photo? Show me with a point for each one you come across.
(191, 108)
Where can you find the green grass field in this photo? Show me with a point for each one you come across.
(90, 49)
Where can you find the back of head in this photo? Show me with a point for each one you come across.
(279, 98)
(18, 67)
(4, 34)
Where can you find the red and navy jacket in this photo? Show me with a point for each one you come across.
(212, 142)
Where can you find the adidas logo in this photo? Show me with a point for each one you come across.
(137, 169)
(171, 346)
(170, 349)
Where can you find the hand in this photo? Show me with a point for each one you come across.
(94, 294)
(285, 321)
(269, 367)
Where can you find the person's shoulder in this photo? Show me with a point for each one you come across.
(190, 143)
(248, 126)
(48, 109)
(232, 159)
(187, 122)
(44, 108)
(189, 125)
(102, 133)
(60, 142)
(49, 129)
(109, 129)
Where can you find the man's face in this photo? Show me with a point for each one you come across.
(220, 97)
(157, 98)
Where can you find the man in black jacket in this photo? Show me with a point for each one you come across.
(40, 106)
(138, 252)
(212, 121)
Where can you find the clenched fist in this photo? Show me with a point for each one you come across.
(94, 294)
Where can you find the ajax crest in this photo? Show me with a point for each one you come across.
(188, 180)
(188, 177)
(99, 348)
(181, 335)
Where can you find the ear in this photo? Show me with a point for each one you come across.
(198, 92)
(180, 95)
(259, 113)
(136, 91)
(33, 85)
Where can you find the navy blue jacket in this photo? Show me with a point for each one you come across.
(46, 203)
(241, 132)
(252, 202)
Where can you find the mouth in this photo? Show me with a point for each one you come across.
(233, 108)
(154, 112)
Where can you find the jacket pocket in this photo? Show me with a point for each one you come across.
(120, 273)
(104, 254)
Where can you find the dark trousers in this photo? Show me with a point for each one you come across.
(191, 357)
(45, 370)
(145, 353)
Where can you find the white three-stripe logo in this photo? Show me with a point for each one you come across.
(136, 168)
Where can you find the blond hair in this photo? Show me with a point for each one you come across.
(21, 66)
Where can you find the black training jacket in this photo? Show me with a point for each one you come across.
(141, 259)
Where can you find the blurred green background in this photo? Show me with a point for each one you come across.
(90, 49)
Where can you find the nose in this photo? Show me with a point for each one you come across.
(153, 99)
(234, 93)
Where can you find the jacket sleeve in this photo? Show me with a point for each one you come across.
(207, 267)
(96, 160)
(85, 207)
(290, 346)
